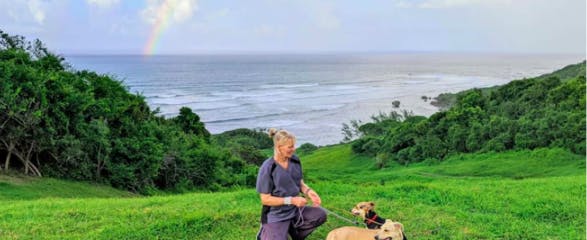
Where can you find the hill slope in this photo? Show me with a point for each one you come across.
(446, 100)
(31, 188)
(466, 197)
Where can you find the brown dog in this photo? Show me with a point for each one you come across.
(366, 211)
(389, 231)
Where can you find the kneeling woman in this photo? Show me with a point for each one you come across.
(279, 184)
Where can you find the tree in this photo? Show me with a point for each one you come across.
(190, 123)
(351, 132)
(57, 122)
(23, 110)
(471, 99)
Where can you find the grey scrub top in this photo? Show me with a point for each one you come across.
(286, 184)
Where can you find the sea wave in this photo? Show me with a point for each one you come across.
(278, 86)
(283, 113)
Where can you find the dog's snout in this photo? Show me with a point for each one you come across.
(376, 237)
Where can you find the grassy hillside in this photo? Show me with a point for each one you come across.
(512, 195)
(446, 100)
(31, 188)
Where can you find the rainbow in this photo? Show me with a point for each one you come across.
(164, 12)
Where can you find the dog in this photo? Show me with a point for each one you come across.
(352, 233)
(366, 211)
(389, 231)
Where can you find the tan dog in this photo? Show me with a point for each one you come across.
(352, 233)
(366, 210)
(389, 231)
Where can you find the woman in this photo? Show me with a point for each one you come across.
(279, 184)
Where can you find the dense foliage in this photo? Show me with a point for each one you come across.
(546, 111)
(245, 143)
(80, 125)
(306, 148)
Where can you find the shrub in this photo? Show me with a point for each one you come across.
(307, 148)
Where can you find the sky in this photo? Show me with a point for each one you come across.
(153, 27)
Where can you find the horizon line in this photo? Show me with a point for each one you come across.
(228, 53)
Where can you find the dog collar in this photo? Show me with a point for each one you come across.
(371, 220)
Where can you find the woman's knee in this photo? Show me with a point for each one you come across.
(275, 231)
(323, 216)
(319, 215)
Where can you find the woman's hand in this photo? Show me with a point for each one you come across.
(316, 201)
(299, 201)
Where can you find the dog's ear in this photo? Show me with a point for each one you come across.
(398, 226)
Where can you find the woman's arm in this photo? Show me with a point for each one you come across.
(268, 200)
(306, 190)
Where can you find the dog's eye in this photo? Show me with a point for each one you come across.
(361, 207)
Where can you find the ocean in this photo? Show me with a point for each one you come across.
(311, 95)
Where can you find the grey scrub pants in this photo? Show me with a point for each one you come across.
(298, 228)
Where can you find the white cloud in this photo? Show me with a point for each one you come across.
(37, 11)
(178, 10)
(462, 3)
(450, 3)
(103, 3)
(328, 20)
(184, 10)
(32, 12)
(403, 4)
(324, 15)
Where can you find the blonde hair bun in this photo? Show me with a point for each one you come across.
(272, 132)
(280, 137)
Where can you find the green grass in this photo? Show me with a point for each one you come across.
(18, 187)
(520, 164)
(536, 194)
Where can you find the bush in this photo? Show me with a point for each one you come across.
(307, 148)
(245, 144)
(369, 146)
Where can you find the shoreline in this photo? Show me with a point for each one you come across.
(311, 96)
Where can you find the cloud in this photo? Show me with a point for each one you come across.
(29, 12)
(450, 3)
(326, 18)
(178, 10)
(403, 4)
(103, 3)
(323, 14)
(37, 10)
